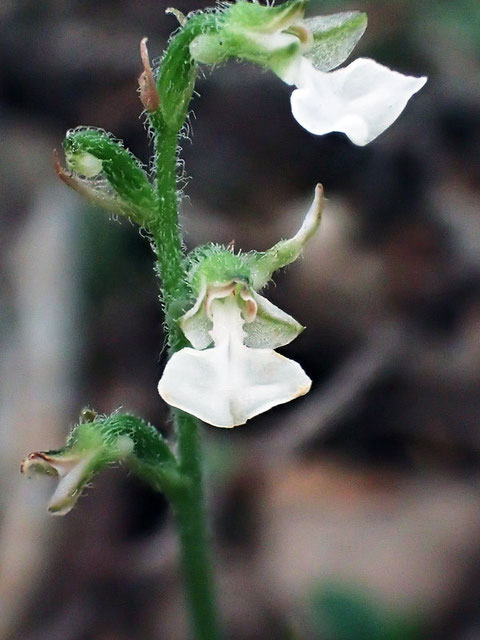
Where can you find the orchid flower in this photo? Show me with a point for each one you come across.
(232, 373)
(361, 100)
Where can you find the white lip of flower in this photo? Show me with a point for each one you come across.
(230, 383)
(361, 100)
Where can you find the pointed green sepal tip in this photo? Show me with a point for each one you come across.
(96, 442)
(334, 37)
(264, 264)
(105, 172)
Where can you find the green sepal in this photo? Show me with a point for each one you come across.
(251, 16)
(177, 73)
(215, 265)
(213, 269)
(252, 32)
(99, 441)
(274, 51)
(334, 37)
(113, 173)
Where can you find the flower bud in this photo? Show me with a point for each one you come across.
(84, 163)
(124, 186)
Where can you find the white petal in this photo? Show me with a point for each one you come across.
(230, 383)
(72, 470)
(360, 100)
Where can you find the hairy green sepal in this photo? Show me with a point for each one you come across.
(252, 32)
(215, 265)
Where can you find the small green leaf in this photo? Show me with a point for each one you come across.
(334, 37)
(112, 173)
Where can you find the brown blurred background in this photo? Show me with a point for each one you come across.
(351, 514)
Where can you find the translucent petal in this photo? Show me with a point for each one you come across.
(196, 325)
(334, 37)
(360, 100)
(272, 327)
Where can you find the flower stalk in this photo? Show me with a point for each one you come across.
(188, 502)
(221, 332)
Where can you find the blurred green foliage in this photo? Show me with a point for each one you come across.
(343, 612)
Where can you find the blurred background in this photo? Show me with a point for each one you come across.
(352, 513)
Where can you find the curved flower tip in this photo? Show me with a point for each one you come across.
(230, 383)
(73, 471)
(360, 100)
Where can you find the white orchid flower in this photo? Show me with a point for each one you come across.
(360, 100)
(241, 375)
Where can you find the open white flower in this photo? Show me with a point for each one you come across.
(232, 373)
(229, 383)
(360, 100)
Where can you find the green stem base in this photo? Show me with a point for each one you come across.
(190, 516)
